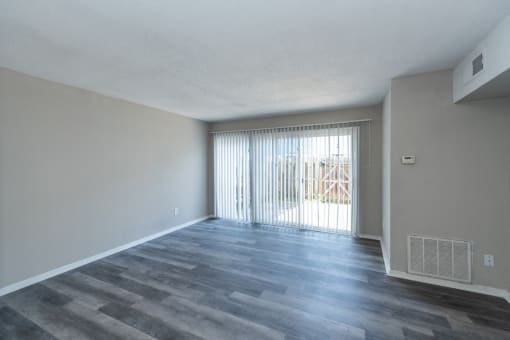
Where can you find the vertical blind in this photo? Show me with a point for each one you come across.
(305, 177)
(232, 176)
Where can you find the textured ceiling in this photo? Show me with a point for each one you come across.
(225, 59)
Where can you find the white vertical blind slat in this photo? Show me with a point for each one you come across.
(338, 163)
(328, 176)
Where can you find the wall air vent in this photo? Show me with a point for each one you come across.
(477, 64)
(441, 258)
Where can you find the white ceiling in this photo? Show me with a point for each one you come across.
(225, 59)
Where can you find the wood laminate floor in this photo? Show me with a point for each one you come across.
(220, 280)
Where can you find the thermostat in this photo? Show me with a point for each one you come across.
(407, 159)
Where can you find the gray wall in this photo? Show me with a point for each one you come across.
(370, 148)
(460, 185)
(81, 173)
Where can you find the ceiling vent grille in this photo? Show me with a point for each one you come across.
(477, 64)
(441, 258)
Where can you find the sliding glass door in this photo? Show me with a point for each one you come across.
(304, 177)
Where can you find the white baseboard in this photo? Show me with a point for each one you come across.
(370, 237)
(385, 256)
(41, 277)
(452, 284)
(386, 259)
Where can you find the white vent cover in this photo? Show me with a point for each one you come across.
(441, 258)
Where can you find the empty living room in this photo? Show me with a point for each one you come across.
(221, 170)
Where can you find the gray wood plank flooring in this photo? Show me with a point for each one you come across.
(222, 280)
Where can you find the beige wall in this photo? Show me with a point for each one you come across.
(370, 148)
(81, 173)
(460, 185)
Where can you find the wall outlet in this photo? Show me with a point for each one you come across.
(176, 211)
(488, 260)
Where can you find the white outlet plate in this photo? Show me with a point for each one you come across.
(176, 211)
(408, 159)
(488, 260)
